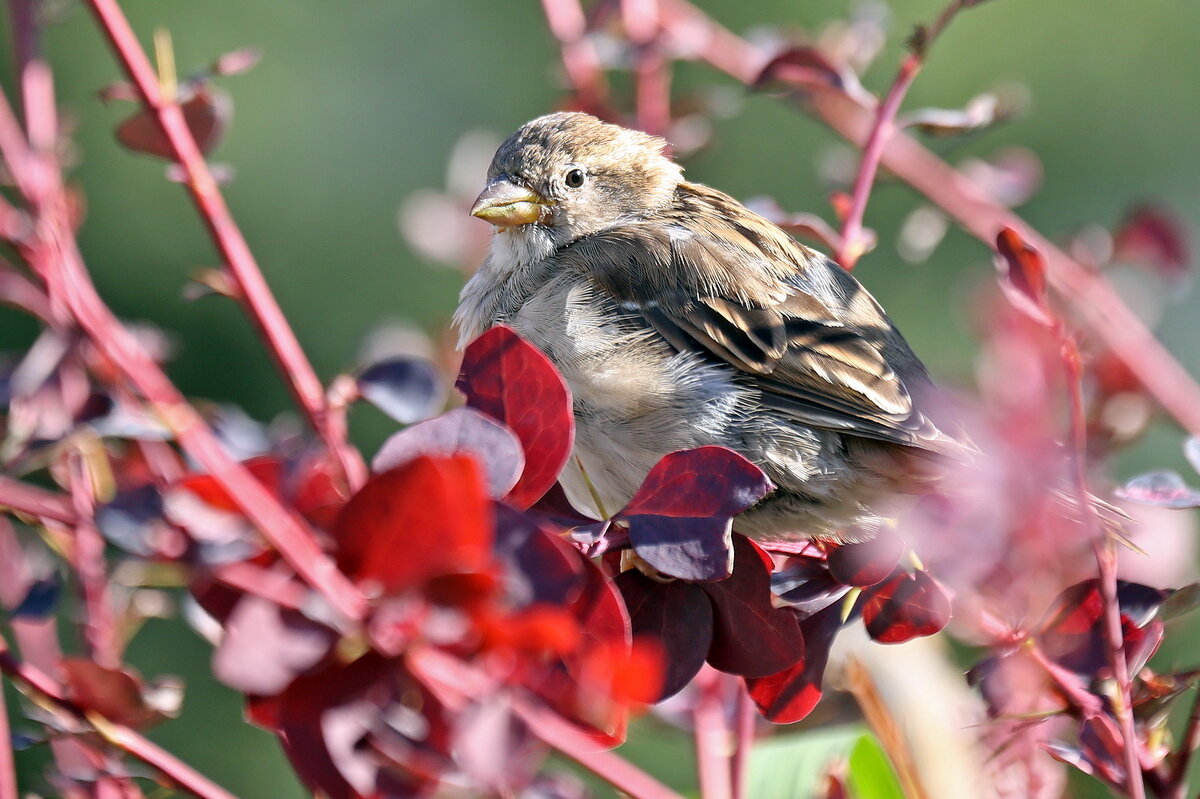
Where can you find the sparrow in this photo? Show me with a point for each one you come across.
(679, 318)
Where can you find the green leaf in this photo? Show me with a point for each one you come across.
(871, 774)
(787, 766)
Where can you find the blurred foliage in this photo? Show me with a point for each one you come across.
(355, 105)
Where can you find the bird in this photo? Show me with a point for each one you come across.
(679, 318)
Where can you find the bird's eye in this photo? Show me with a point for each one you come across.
(574, 178)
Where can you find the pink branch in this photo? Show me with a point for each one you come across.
(1177, 782)
(712, 737)
(55, 256)
(747, 718)
(253, 291)
(1098, 305)
(33, 501)
(121, 736)
(87, 558)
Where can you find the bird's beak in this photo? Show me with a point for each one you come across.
(505, 204)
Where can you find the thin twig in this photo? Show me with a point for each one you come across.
(33, 501)
(1090, 295)
(745, 722)
(253, 290)
(712, 738)
(121, 736)
(87, 559)
(1177, 782)
(1106, 561)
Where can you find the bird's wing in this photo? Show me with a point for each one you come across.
(732, 286)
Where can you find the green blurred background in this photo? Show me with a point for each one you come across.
(357, 104)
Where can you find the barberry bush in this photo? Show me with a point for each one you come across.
(438, 619)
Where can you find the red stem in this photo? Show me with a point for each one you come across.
(87, 559)
(33, 501)
(124, 738)
(1106, 561)
(712, 737)
(853, 243)
(747, 718)
(8, 766)
(55, 256)
(1177, 783)
(253, 291)
(1098, 306)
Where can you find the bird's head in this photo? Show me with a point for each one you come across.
(570, 175)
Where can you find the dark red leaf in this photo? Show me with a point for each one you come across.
(681, 518)
(265, 647)
(1101, 747)
(206, 112)
(267, 470)
(868, 562)
(462, 431)
(1163, 488)
(1154, 237)
(751, 636)
(1024, 272)
(540, 566)
(791, 694)
(805, 67)
(341, 726)
(1073, 632)
(678, 616)
(427, 518)
(513, 382)
(115, 694)
(905, 606)
(405, 388)
(806, 585)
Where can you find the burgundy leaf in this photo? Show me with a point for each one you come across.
(265, 647)
(206, 112)
(751, 636)
(1024, 272)
(1101, 747)
(405, 388)
(905, 606)
(115, 694)
(681, 518)
(428, 518)
(1073, 632)
(335, 724)
(1163, 488)
(868, 562)
(1154, 237)
(513, 382)
(806, 585)
(540, 566)
(791, 694)
(678, 616)
(806, 67)
(462, 431)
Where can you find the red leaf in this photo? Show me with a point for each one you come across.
(1024, 271)
(751, 636)
(791, 694)
(868, 562)
(207, 112)
(267, 469)
(1154, 237)
(115, 694)
(805, 67)
(1073, 632)
(677, 616)
(513, 382)
(906, 606)
(681, 518)
(428, 518)
(339, 727)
